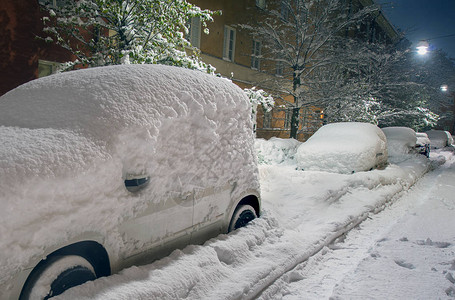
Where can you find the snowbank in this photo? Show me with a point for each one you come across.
(343, 148)
(276, 150)
(303, 213)
(70, 140)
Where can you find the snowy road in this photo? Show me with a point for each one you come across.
(405, 252)
(284, 253)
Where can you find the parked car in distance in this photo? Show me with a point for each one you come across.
(439, 138)
(400, 140)
(104, 168)
(345, 147)
(423, 144)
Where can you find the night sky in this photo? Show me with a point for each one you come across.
(424, 19)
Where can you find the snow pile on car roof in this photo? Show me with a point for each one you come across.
(400, 140)
(276, 150)
(439, 138)
(343, 148)
(72, 139)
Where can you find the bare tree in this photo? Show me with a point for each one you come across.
(301, 36)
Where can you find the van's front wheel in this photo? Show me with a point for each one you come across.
(243, 214)
(56, 275)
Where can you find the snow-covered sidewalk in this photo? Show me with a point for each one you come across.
(303, 212)
(405, 252)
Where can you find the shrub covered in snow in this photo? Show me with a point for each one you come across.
(344, 148)
(276, 150)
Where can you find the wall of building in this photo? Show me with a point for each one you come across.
(20, 49)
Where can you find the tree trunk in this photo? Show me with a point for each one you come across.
(296, 110)
(294, 122)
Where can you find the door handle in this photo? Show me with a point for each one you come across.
(134, 183)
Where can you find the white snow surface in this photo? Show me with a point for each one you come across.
(276, 150)
(422, 139)
(401, 142)
(68, 141)
(303, 213)
(343, 148)
(439, 138)
(404, 252)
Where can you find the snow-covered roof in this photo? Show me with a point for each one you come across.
(400, 140)
(439, 138)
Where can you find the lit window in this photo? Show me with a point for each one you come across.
(229, 43)
(46, 68)
(255, 56)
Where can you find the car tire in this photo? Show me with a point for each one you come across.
(57, 274)
(243, 214)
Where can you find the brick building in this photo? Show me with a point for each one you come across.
(228, 47)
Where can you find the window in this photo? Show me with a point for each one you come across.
(267, 123)
(260, 3)
(285, 10)
(229, 43)
(194, 36)
(287, 118)
(256, 54)
(53, 3)
(279, 68)
(46, 68)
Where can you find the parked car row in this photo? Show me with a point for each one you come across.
(354, 147)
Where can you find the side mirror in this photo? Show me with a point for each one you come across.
(134, 183)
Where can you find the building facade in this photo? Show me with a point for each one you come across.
(237, 55)
(229, 47)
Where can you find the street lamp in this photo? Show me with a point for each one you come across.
(422, 47)
(444, 88)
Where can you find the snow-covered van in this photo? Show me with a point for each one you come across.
(104, 168)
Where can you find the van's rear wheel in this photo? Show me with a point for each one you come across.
(56, 275)
(243, 214)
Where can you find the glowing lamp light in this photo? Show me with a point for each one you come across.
(422, 47)
(444, 88)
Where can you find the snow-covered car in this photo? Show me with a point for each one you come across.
(423, 144)
(400, 140)
(104, 168)
(439, 138)
(345, 147)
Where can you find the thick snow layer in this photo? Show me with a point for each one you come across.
(439, 138)
(303, 213)
(343, 148)
(422, 139)
(276, 150)
(404, 252)
(401, 142)
(70, 140)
